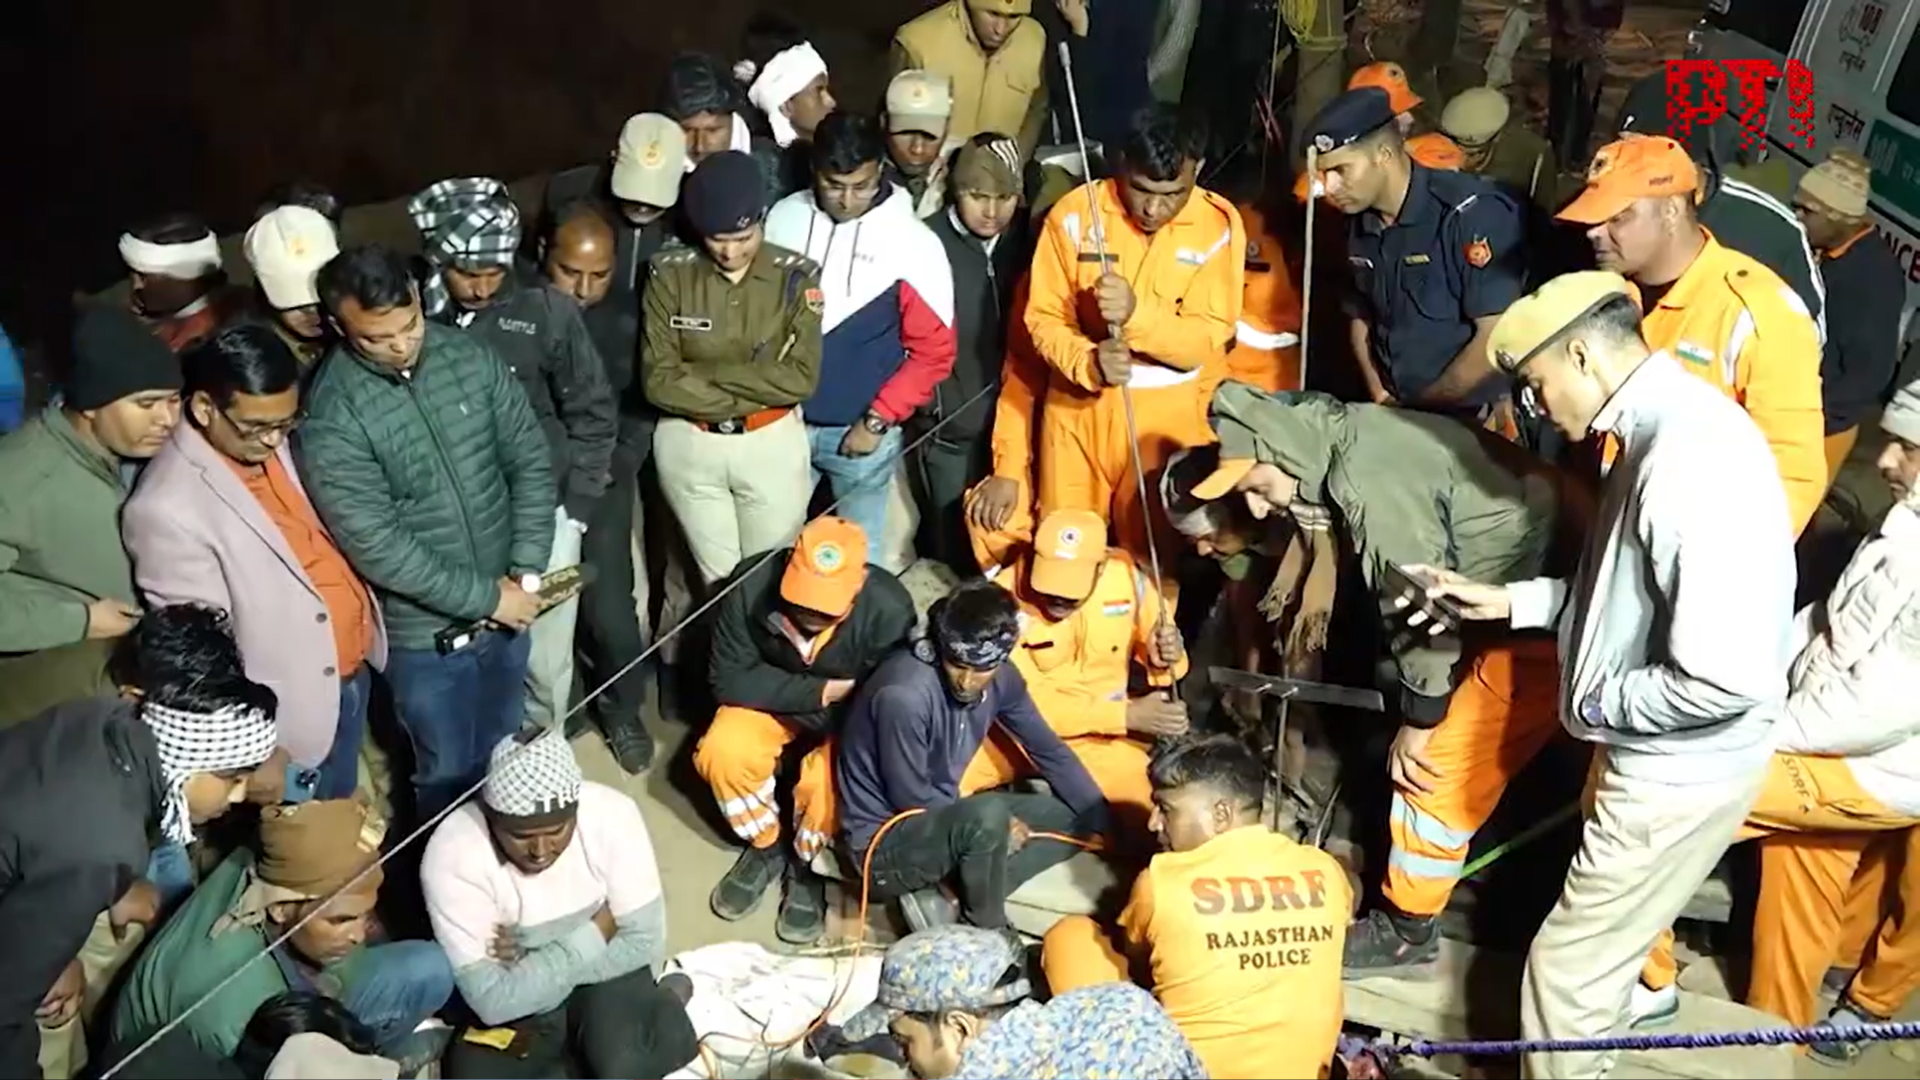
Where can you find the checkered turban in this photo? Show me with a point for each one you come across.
(467, 223)
(532, 778)
(191, 743)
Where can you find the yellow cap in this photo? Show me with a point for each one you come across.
(1068, 548)
(1536, 319)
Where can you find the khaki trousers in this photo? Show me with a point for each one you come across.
(734, 495)
(63, 1049)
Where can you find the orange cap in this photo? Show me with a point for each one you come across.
(1636, 167)
(1392, 78)
(827, 568)
(1229, 473)
(1068, 549)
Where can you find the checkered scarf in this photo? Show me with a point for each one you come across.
(467, 223)
(191, 743)
(532, 778)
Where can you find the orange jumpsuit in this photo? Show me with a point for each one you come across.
(1077, 671)
(1266, 341)
(1243, 936)
(1187, 280)
(1504, 711)
(1016, 421)
(1822, 881)
(1734, 323)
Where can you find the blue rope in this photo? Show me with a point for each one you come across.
(1678, 1040)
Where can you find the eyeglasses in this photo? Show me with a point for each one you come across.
(256, 431)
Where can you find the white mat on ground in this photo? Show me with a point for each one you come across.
(745, 997)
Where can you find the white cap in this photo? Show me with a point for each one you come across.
(649, 160)
(286, 248)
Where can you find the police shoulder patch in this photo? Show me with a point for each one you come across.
(1479, 253)
(816, 300)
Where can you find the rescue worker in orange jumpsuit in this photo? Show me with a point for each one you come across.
(1432, 149)
(1089, 617)
(790, 644)
(1156, 319)
(1228, 920)
(1266, 340)
(999, 509)
(1842, 792)
(1408, 487)
(1723, 315)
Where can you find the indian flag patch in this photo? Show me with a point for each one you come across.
(1117, 607)
(1689, 351)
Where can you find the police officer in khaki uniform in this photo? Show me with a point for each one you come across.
(731, 346)
(1480, 120)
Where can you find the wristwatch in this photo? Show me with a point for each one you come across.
(875, 425)
(530, 583)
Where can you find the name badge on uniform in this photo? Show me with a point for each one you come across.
(1090, 256)
(1417, 260)
(689, 322)
(1190, 257)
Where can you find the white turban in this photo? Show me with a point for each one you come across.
(785, 75)
(192, 743)
(532, 778)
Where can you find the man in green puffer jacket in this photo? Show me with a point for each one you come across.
(426, 461)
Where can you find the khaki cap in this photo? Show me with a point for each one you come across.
(1536, 320)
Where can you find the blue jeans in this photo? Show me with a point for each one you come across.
(395, 986)
(171, 873)
(860, 484)
(455, 708)
(340, 772)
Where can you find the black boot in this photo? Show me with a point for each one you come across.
(1388, 943)
(803, 906)
(632, 746)
(743, 887)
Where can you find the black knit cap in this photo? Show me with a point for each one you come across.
(697, 83)
(725, 194)
(115, 355)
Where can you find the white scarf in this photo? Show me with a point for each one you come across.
(192, 743)
(185, 262)
(785, 75)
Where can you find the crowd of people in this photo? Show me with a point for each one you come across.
(672, 436)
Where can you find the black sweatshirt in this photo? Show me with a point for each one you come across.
(1866, 289)
(907, 742)
(80, 792)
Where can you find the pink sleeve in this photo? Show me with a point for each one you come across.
(624, 851)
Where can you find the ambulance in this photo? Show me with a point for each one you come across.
(1865, 60)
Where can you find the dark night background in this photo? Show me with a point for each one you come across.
(123, 110)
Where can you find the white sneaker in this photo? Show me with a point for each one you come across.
(1652, 1008)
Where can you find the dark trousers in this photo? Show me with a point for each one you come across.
(455, 708)
(627, 1026)
(971, 841)
(610, 633)
(942, 471)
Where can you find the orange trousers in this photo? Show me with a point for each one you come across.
(1502, 714)
(1838, 445)
(1000, 546)
(1824, 879)
(1078, 952)
(739, 758)
(1118, 766)
(1086, 463)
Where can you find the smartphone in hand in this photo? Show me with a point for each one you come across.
(1407, 590)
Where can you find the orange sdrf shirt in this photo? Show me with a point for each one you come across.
(1246, 934)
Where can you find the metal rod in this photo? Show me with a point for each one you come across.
(1306, 262)
(1114, 334)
